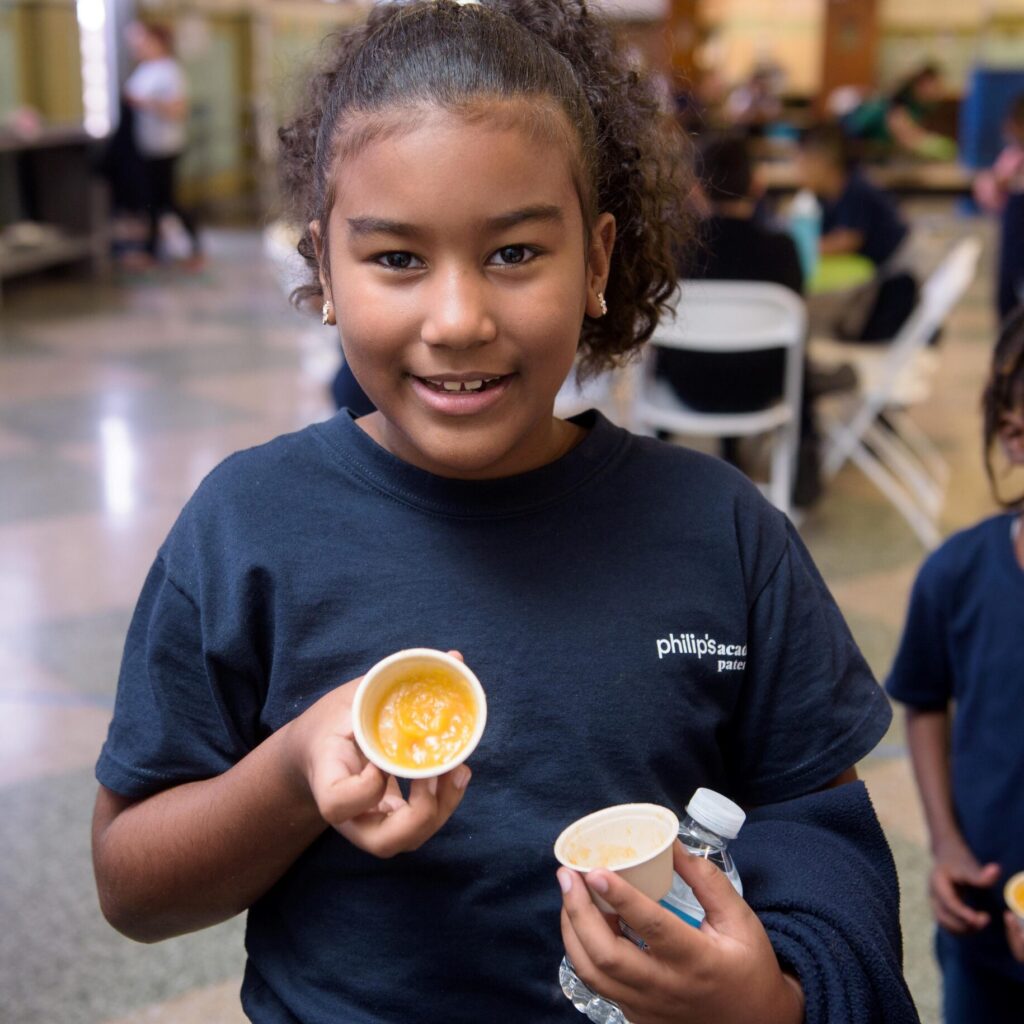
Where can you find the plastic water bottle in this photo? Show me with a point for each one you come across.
(805, 229)
(711, 822)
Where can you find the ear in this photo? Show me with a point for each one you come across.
(318, 248)
(599, 262)
(1011, 439)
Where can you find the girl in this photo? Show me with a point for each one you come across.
(156, 92)
(487, 193)
(964, 642)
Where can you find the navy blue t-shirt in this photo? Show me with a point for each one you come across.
(642, 620)
(964, 643)
(864, 207)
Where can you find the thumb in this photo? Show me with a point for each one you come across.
(723, 905)
(983, 877)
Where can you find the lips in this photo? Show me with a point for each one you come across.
(463, 394)
(456, 385)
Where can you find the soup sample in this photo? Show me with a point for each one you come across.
(426, 719)
(1016, 895)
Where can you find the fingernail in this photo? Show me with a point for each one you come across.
(599, 883)
(462, 778)
(564, 880)
(432, 785)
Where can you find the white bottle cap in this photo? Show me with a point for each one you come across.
(717, 813)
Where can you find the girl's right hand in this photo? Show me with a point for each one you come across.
(353, 795)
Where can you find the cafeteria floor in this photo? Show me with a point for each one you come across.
(115, 399)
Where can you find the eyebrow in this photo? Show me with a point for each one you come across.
(359, 226)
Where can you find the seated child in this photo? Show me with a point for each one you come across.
(857, 217)
(959, 673)
(733, 246)
(486, 194)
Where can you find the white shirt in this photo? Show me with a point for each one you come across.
(162, 79)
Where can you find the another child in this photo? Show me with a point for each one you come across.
(487, 191)
(857, 216)
(963, 646)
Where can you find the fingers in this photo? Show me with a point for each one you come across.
(982, 877)
(658, 926)
(457, 654)
(1014, 934)
(603, 958)
(950, 910)
(725, 909)
(348, 795)
(410, 823)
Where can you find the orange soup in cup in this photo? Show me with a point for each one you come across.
(425, 720)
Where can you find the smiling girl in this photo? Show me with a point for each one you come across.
(489, 195)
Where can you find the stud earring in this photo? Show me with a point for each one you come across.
(326, 314)
(604, 305)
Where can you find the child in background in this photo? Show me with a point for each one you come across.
(486, 191)
(1000, 190)
(857, 217)
(963, 645)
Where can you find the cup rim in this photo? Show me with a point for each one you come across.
(1012, 882)
(373, 753)
(664, 814)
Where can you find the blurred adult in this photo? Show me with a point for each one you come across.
(898, 120)
(157, 93)
(1000, 190)
(758, 101)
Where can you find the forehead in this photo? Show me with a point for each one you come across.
(432, 166)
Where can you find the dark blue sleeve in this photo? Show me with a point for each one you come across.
(851, 211)
(921, 674)
(810, 707)
(179, 711)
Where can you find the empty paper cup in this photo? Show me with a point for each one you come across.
(419, 713)
(632, 840)
(1013, 892)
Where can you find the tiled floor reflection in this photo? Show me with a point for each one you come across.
(115, 400)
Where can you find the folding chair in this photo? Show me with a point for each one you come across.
(871, 428)
(731, 316)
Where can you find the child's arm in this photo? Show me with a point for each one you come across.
(841, 242)
(955, 865)
(201, 852)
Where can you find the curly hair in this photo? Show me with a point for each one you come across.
(631, 159)
(1004, 393)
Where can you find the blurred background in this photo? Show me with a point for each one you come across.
(142, 341)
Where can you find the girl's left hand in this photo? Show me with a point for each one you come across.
(726, 971)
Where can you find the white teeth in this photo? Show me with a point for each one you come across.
(451, 385)
(472, 385)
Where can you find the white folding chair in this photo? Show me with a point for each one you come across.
(731, 316)
(893, 451)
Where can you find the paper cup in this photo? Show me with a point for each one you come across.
(632, 840)
(1013, 892)
(404, 665)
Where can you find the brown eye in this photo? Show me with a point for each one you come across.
(397, 260)
(513, 255)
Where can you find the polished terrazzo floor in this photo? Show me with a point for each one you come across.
(115, 399)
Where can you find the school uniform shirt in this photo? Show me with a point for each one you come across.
(161, 79)
(642, 621)
(963, 643)
(864, 207)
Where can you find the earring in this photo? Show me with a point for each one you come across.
(604, 305)
(326, 314)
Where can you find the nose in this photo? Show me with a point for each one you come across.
(458, 314)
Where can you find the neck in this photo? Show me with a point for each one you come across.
(737, 208)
